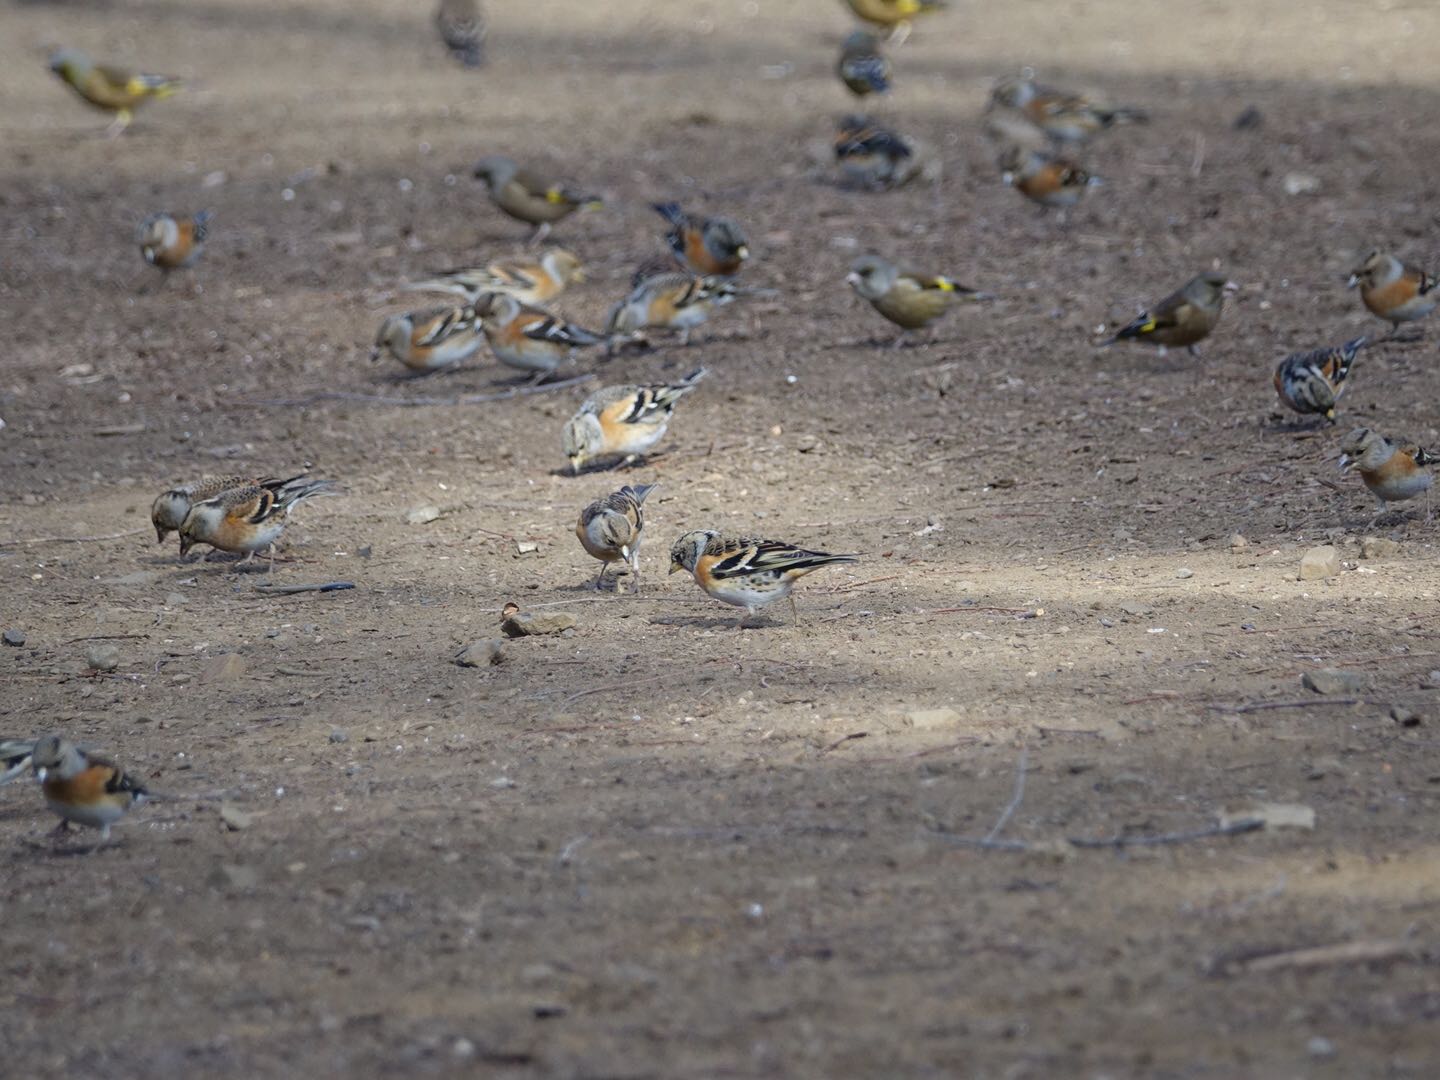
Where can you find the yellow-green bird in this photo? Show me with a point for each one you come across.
(109, 88)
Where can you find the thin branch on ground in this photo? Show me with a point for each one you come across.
(461, 399)
(1261, 706)
(72, 539)
(1235, 828)
(1024, 613)
(1021, 767)
(290, 590)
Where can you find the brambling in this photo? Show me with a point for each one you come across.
(873, 157)
(910, 301)
(461, 25)
(668, 301)
(430, 340)
(169, 243)
(1312, 382)
(248, 519)
(1395, 292)
(84, 788)
(1063, 116)
(895, 15)
(529, 338)
(862, 67)
(704, 245)
(624, 421)
(1185, 317)
(527, 197)
(108, 88)
(611, 529)
(167, 512)
(746, 572)
(530, 282)
(14, 758)
(1053, 182)
(1391, 473)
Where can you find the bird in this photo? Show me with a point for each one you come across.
(109, 88)
(747, 572)
(1063, 116)
(527, 197)
(168, 511)
(430, 340)
(1392, 473)
(611, 529)
(895, 15)
(247, 519)
(624, 421)
(531, 281)
(668, 301)
(1185, 317)
(462, 27)
(1394, 291)
(168, 242)
(530, 338)
(910, 301)
(862, 67)
(1312, 382)
(84, 788)
(707, 246)
(1053, 182)
(875, 158)
(14, 758)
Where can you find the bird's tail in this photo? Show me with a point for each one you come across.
(1346, 357)
(670, 211)
(293, 492)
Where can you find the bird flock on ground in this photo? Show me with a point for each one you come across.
(507, 304)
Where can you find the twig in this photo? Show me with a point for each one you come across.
(843, 740)
(1197, 161)
(72, 539)
(289, 590)
(108, 637)
(1347, 952)
(1261, 706)
(1014, 803)
(462, 399)
(1235, 828)
(859, 584)
(1024, 613)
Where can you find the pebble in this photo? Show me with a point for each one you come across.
(1320, 1047)
(339, 735)
(1320, 562)
(481, 653)
(1184, 572)
(1298, 183)
(13, 638)
(1238, 544)
(233, 876)
(175, 599)
(932, 719)
(1332, 681)
(1404, 717)
(422, 515)
(235, 819)
(1378, 547)
(102, 656)
(526, 623)
(224, 668)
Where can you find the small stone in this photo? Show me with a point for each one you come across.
(1320, 1047)
(1249, 119)
(102, 656)
(1184, 572)
(1297, 183)
(232, 876)
(234, 818)
(462, 1049)
(1107, 623)
(339, 735)
(1378, 547)
(932, 719)
(1320, 562)
(224, 668)
(1332, 681)
(527, 624)
(13, 638)
(1238, 544)
(526, 547)
(1271, 815)
(481, 653)
(1404, 717)
(423, 515)
(365, 552)
(175, 599)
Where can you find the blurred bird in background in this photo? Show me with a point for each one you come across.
(108, 88)
(462, 27)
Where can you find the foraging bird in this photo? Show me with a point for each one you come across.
(746, 572)
(623, 421)
(714, 246)
(109, 88)
(910, 301)
(529, 338)
(862, 67)
(462, 27)
(1061, 115)
(1185, 317)
(247, 519)
(168, 511)
(1053, 182)
(668, 301)
(527, 197)
(1312, 382)
(874, 158)
(1391, 473)
(14, 758)
(84, 788)
(611, 529)
(895, 15)
(430, 340)
(1394, 291)
(169, 242)
(529, 281)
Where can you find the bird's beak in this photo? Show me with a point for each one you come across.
(41, 773)
(1354, 280)
(1345, 463)
(574, 466)
(1231, 286)
(742, 252)
(148, 251)
(852, 279)
(1008, 178)
(673, 567)
(578, 275)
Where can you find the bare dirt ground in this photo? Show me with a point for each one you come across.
(661, 847)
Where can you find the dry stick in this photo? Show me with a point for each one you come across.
(843, 740)
(1348, 952)
(1014, 803)
(1260, 706)
(1028, 612)
(288, 590)
(1247, 825)
(858, 585)
(109, 637)
(463, 399)
(72, 539)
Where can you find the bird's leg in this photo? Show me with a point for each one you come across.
(272, 560)
(599, 581)
(794, 614)
(1194, 351)
(899, 342)
(119, 124)
(685, 335)
(541, 232)
(246, 560)
(900, 34)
